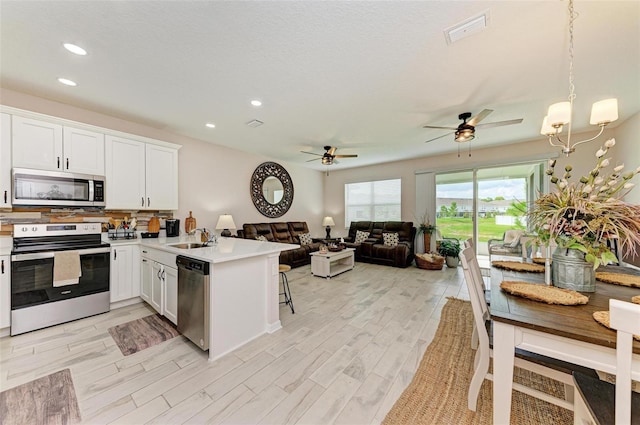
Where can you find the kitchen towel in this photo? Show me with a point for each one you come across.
(66, 268)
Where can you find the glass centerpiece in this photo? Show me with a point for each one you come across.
(586, 219)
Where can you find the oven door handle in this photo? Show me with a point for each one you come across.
(49, 254)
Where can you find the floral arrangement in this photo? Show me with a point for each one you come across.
(425, 226)
(585, 215)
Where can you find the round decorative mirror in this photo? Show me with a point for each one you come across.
(271, 189)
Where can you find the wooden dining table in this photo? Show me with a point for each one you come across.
(566, 333)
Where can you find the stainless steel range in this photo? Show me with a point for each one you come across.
(59, 273)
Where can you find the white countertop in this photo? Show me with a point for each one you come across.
(227, 249)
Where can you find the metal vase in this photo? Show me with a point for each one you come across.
(570, 271)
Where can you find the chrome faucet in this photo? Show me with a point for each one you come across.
(206, 237)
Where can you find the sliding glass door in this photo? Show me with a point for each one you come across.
(483, 203)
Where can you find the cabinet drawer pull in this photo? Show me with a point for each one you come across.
(5, 196)
(58, 158)
(67, 163)
(65, 292)
(115, 255)
(148, 202)
(2, 267)
(142, 204)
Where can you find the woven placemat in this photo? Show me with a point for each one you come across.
(544, 293)
(517, 266)
(636, 299)
(602, 317)
(619, 279)
(540, 260)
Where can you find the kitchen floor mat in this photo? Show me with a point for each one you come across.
(139, 334)
(47, 400)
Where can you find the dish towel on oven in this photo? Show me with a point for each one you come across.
(66, 268)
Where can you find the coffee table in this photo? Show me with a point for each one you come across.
(330, 263)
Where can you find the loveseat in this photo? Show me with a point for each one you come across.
(283, 232)
(374, 250)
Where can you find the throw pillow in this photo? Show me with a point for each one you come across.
(305, 238)
(261, 238)
(390, 239)
(361, 236)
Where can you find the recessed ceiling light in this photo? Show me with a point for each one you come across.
(75, 49)
(256, 102)
(67, 82)
(210, 125)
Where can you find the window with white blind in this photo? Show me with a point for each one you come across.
(374, 201)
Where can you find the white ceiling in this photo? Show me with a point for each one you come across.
(363, 76)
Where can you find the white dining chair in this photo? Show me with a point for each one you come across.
(481, 315)
(600, 402)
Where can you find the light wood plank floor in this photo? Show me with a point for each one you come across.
(344, 357)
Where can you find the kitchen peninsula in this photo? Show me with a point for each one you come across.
(244, 286)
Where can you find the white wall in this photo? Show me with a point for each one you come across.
(213, 179)
(627, 152)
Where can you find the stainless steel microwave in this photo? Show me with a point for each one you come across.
(37, 187)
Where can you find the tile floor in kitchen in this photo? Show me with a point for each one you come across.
(344, 357)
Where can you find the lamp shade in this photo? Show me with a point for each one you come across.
(604, 112)
(547, 130)
(328, 221)
(559, 114)
(225, 221)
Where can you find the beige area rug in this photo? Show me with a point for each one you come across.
(438, 392)
(48, 400)
(139, 334)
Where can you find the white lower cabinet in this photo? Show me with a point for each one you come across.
(160, 282)
(5, 291)
(124, 276)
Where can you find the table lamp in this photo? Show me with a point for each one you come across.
(225, 222)
(328, 221)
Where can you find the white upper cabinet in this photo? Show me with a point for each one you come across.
(46, 146)
(36, 144)
(124, 173)
(5, 161)
(161, 178)
(83, 151)
(140, 175)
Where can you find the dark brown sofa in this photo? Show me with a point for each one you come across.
(283, 232)
(373, 250)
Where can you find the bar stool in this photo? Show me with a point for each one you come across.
(283, 269)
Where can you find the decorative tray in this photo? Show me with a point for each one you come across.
(335, 248)
(544, 293)
(517, 266)
(619, 279)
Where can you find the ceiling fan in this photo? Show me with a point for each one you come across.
(467, 129)
(328, 158)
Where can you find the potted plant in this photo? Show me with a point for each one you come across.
(583, 217)
(425, 228)
(450, 249)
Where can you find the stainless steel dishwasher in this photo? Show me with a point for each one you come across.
(193, 300)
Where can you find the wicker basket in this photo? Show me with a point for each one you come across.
(435, 264)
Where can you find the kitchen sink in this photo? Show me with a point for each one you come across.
(189, 245)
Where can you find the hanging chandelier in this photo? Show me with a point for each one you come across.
(603, 112)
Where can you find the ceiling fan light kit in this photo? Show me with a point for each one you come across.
(559, 114)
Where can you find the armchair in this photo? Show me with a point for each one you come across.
(510, 244)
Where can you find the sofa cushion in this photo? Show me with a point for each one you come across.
(361, 236)
(281, 232)
(252, 231)
(305, 238)
(402, 228)
(390, 239)
(363, 226)
(296, 228)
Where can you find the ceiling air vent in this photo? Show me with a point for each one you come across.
(467, 28)
(255, 123)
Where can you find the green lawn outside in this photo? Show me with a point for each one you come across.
(462, 228)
